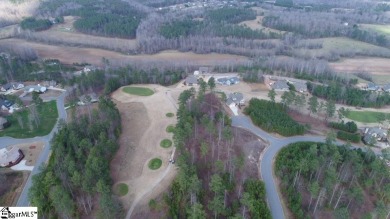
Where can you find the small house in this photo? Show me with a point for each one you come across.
(280, 85)
(191, 80)
(5, 87)
(11, 157)
(17, 85)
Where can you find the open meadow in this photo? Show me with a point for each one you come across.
(381, 29)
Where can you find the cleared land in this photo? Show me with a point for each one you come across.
(376, 66)
(343, 46)
(257, 25)
(367, 116)
(70, 55)
(8, 31)
(65, 34)
(382, 29)
(140, 142)
(48, 115)
(139, 91)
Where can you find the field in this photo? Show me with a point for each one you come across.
(15, 12)
(8, 31)
(65, 34)
(367, 116)
(257, 25)
(381, 29)
(343, 46)
(139, 91)
(70, 55)
(48, 117)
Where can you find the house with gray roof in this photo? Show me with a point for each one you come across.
(372, 87)
(280, 85)
(376, 136)
(228, 80)
(386, 88)
(191, 80)
(5, 87)
(235, 99)
(300, 87)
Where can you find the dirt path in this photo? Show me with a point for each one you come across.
(142, 131)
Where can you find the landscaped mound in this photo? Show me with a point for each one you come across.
(166, 143)
(140, 91)
(155, 163)
(121, 189)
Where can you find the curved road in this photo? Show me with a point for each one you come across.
(266, 165)
(7, 141)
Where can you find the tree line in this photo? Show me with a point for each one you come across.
(319, 177)
(77, 177)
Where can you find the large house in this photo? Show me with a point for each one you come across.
(280, 85)
(376, 136)
(37, 88)
(300, 87)
(10, 157)
(5, 87)
(236, 99)
(372, 87)
(17, 85)
(191, 80)
(228, 81)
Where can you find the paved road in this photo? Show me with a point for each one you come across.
(275, 144)
(6, 141)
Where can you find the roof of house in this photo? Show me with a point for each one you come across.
(5, 102)
(7, 86)
(381, 133)
(386, 87)
(372, 86)
(7, 156)
(234, 98)
(300, 86)
(191, 79)
(280, 85)
(36, 88)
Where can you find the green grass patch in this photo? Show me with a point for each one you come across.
(367, 116)
(140, 91)
(121, 189)
(170, 115)
(155, 163)
(47, 114)
(170, 129)
(381, 29)
(166, 143)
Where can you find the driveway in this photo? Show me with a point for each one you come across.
(266, 165)
(7, 141)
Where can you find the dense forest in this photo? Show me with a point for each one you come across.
(324, 180)
(273, 117)
(214, 178)
(76, 181)
(349, 95)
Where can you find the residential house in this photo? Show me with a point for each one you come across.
(386, 88)
(17, 85)
(87, 99)
(196, 73)
(236, 99)
(51, 83)
(191, 80)
(5, 104)
(228, 81)
(204, 70)
(280, 85)
(37, 88)
(300, 87)
(372, 87)
(376, 136)
(10, 157)
(5, 87)
(3, 123)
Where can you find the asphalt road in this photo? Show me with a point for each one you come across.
(266, 165)
(7, 141)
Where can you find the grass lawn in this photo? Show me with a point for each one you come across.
(121, 189)
(381, 29)
(166, 143)
(155, 163)
(48, 115)
(367, 116)
(169, 114)
(170, 128)
(140, 91)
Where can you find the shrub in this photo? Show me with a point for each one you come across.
(353, 137)
(346, 127)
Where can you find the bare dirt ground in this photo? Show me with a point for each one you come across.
(142, 130)
(65, 34)
(256, 24)
(377, 66)
(31, 151)
(70, 55)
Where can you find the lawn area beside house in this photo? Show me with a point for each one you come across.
(367, 116)
(140, 91)
(47, 114)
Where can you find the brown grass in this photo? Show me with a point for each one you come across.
(65, 34)
(69, 55)
(377, 66)
(257, 25)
